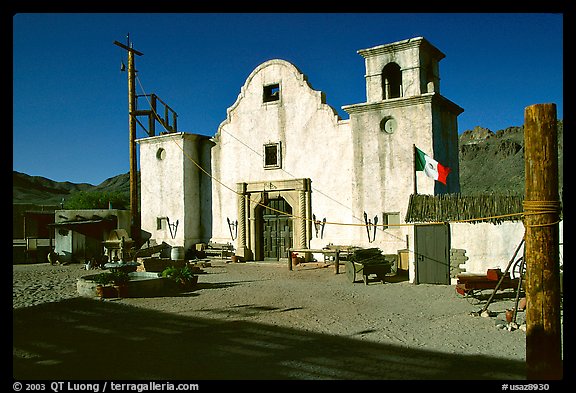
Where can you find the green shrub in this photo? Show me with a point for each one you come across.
(97, 200)
(180, 275)
(103, 278)
(117, 278)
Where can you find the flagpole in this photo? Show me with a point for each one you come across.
(414, 168)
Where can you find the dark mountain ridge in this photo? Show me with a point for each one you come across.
(490, 162)
(42, 191)
(493, 162)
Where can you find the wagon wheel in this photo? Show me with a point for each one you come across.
(519, 268)
(350, 271)
(473, 296)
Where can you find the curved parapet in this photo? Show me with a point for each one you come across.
(270, 73)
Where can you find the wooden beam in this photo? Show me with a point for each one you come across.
(128, 48)
(541, 206)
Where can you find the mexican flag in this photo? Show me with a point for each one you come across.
(430, 166)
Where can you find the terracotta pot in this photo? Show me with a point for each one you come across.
(188, 285)
(105, 291)
(121, 290)
(522, 304)
(509, 315)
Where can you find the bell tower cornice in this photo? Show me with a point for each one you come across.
(403, 45)
(401, 69)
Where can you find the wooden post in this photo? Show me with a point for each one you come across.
(134, 228)
(337, 262)
(134, 214)
(541, 205)
(414, 169)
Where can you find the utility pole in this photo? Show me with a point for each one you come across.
(135, 217)
(542, 208)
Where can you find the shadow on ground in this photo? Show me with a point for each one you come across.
(83, 338)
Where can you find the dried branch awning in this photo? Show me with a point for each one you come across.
(458, 207)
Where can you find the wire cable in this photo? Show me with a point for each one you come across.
(530, 207)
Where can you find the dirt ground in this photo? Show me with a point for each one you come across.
(259, 321)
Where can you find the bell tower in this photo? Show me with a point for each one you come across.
(403, 69)
(403, 109)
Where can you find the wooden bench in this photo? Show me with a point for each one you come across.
(220, 250)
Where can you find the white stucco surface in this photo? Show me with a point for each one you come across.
(490, 245)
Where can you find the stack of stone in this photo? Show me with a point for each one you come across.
(458, 260)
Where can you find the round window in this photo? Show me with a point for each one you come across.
(161, 154)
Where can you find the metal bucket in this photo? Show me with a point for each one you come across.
(177, 253)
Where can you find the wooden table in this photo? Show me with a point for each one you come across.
(325, 251)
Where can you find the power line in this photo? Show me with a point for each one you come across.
(536, 209)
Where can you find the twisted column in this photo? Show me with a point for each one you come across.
(241, 188)
(302, 214)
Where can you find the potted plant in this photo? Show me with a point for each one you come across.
(183, 277)
(294, 259)
(120, 280)
(103, 287)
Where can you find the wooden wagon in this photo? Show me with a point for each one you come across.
(366, 262)
(471, 285)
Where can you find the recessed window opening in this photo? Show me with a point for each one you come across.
(391, 81)
(160, 223)
(161, 154)
(390, 220)
(271, 92)
(430, 81)
(272, 156)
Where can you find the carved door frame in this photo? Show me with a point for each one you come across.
(251, 196)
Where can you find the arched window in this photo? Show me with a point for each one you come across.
(391, 81)
(431, 80)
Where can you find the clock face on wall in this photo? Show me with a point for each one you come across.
(388, 125)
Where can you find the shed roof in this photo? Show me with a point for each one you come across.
(89, 227)
(457, 207)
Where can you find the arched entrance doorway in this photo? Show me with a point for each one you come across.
(277, 229)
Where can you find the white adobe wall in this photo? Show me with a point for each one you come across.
(490, 245)
(315, 145)
(171, 187)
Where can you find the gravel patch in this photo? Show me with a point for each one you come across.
(261, 321)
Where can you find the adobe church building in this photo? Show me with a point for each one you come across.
(283, 147)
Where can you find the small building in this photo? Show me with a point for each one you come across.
(32, 236)
(80, 234)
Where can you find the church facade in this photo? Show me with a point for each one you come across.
(285, 171)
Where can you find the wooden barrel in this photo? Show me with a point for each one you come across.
(177, 253)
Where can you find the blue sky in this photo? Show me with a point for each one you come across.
(70, 99)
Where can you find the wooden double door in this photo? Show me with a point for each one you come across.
(277, 229)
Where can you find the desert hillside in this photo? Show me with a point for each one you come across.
(493, 162)
(490, 162)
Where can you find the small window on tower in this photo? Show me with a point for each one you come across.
(271, 93)
(391, 220)
(272, 156)
(160, 223)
